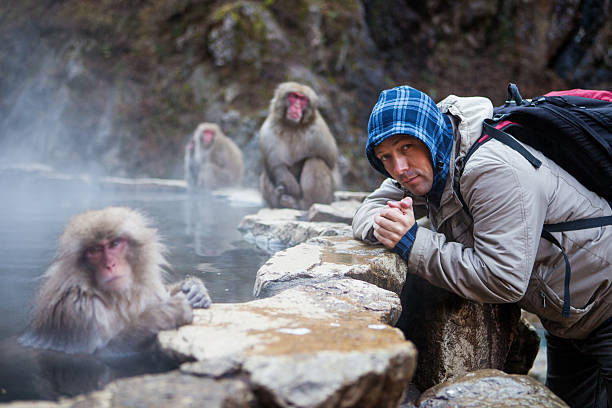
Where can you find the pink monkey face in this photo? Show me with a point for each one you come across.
(108, 260)
(297, 102)
(207, 136)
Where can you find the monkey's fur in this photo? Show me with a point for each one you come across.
(215, 164)
(299, 157)
(72, 314)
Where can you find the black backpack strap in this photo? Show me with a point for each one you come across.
(585, 223)
(571, 226)
(510, 141)
(491, 132)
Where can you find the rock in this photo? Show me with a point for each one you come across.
(335, 306)
(490, 388)
(323, 258)
(273, 230)
(454, 335)
(331, 379)
(341, 211)
(322, 334)
(173, 389)
(322, 344)
(524, 348)
(245, 32)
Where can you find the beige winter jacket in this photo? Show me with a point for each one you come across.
(500, 257)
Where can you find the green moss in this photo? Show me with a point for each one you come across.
(250, 29)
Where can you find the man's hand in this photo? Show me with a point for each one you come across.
(392, 223)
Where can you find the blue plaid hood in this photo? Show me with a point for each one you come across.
(405, 110)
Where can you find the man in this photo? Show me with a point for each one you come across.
(495, 253)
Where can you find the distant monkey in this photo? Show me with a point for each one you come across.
(105, 290)
(298, 150)
(212, 160)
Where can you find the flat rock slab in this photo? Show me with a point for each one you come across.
(273, 230)
(324, 316)
(312, 345)
(338, 211)
(323, 258)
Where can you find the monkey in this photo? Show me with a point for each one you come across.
(105, 289)
(212, 160)
(298, 151)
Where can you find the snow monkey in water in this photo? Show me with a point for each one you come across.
(105, 289)
(212, 160)
(298, 150)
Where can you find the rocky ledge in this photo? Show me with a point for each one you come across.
(322, 333)
(454, 337)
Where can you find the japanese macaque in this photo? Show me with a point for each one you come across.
(105, 289)
(298, 150)
(212, 160)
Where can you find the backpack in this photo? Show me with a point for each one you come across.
(574, 129)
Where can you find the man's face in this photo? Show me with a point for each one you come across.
(408, 161)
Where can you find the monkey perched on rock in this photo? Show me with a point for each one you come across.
(212, 160)
(298, 150)
(105, 290)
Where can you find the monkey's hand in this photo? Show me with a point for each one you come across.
(196, 293)
(287, 201)
(283, 177)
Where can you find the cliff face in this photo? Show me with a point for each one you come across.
(116, 86)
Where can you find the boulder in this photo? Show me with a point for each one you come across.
(273, 230)
(321, 345)
(338, 211)
(490, 389)
(453, 335)
(323, 258)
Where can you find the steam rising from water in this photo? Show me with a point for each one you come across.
(45, 120)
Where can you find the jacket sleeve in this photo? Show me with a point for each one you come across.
(508, 205)
(374, 203)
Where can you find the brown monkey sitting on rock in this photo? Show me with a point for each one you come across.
(298, 150)
(212, 160)
(105, 291)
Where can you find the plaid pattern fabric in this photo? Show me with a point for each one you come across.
(405, 110)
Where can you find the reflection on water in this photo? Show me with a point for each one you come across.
(202, 238)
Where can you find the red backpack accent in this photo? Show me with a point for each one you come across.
(584, 93)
